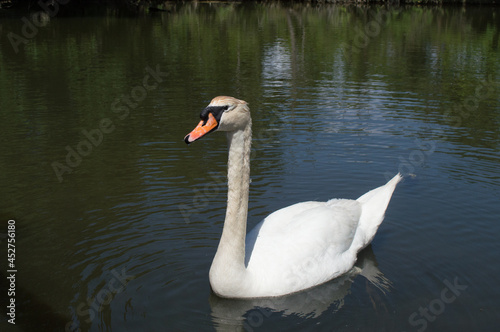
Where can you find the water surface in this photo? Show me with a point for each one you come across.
(117, 220)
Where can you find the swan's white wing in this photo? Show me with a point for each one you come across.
(302, 245)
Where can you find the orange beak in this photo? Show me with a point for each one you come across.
(203, 128)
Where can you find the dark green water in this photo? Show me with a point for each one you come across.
(117, 220)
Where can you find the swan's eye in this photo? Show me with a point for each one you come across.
(215, 110)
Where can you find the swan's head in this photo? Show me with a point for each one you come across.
(222, 114)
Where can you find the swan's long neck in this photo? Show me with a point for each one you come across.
(229, 261)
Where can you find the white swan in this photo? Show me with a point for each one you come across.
(294, 248)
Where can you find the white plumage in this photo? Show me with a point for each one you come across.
(294, 248)
(309, 243)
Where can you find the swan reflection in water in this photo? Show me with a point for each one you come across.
(246, 314)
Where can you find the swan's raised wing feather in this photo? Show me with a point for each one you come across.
(302, 245)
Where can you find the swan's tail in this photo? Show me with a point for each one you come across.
(373, 203)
